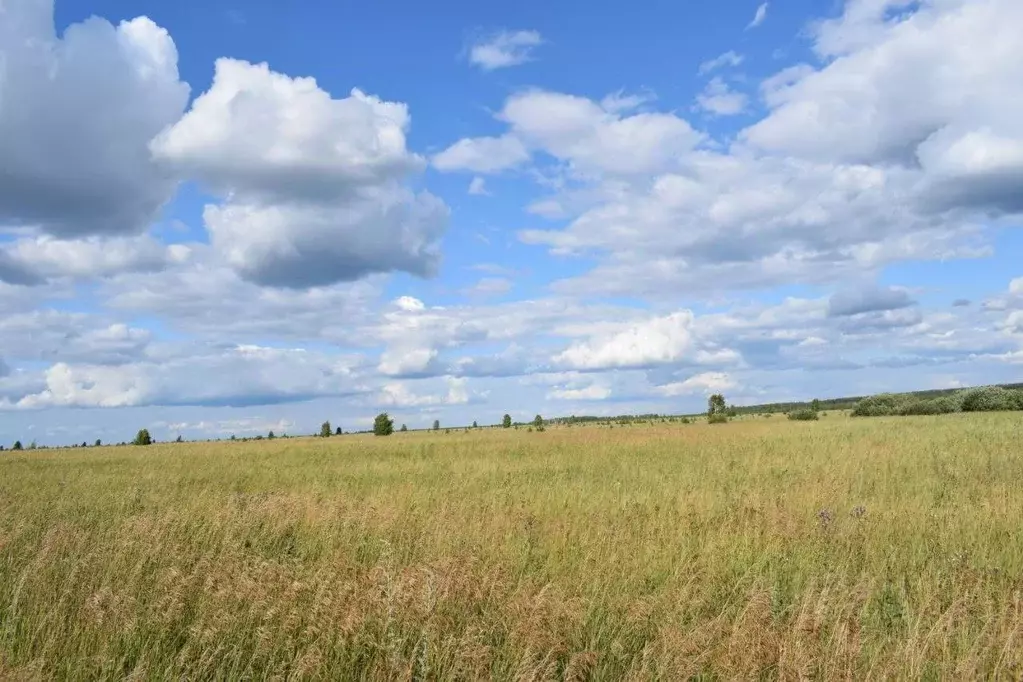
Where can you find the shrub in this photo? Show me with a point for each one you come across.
(990, 399)
(943, 405)
(807, 415)
(717, 418)
(142, 438)
(325, 430)
(883, 405)
(506, 422)
(17, 445)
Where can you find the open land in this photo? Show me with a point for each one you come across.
(763, 548)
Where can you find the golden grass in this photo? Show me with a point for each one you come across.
(648, 552)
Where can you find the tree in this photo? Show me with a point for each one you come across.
(383, 425)
(142, 438)
(474, 424)
(436, 425)
(506, 422)
(338, 432)
(325, 430)
(815, 405)
(98, 442)
(270, 436)
(537, 421)
(84, 444)
(404, 428)
(717, 409)
(17, 445)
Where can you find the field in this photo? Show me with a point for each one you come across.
(875, 548)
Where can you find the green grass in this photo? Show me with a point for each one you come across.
(647, 552)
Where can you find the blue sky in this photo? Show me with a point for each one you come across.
(226, 218)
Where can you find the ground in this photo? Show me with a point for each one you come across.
(844, 548)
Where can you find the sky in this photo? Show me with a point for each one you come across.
(226, 218)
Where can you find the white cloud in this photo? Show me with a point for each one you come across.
(482, 155)
(478, 187)
(313, 185)
(76, 115)
(707, 383)
(656, 341)
(759, 17)
(730, 58)
(504, 49)
(718, 98)
(44, 257)
(244, 375)
(591, 392)
(398, 394)
(594, 140)
(1016, 286)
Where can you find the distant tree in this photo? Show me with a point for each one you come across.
(233, 437)
(815, 405)
(383, 425)
(98, 442)
(32, 445)
(84, 444)
(474, 424)
(537, 421)
(404, 428)
(179, 439)
(506, 422)
(717, 409)
(338, 432)
(142, 438)
(325, 430)
(436, 425)
(270, 436)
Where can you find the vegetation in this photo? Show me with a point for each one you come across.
(383, 425)
(808, 415)
(717, 410)
(325, 430)
(983, 399)
(404, 428)
(141, 438)
(17, 445)
(436, 425)
(506, 422)
(666, 552)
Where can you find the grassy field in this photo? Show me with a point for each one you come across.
(882, 548)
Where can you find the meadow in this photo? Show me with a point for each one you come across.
(760, 549)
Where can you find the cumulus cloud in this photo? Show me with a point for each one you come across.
(867, 300)
(482, 155)
(503, 49)
(718, 98)
(707, 383)
(41, 258)
(313, 185)
(398, 394)
(730, 58)
(656, 341)
(77, 112)
(244, 375)
(591, 392)
(478, 187)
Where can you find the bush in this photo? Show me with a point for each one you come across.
(944, 405)
(883, 405)
(806, 415)
(717, 418)
(990, 399)
(142, 438)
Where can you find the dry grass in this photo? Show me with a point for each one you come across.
(649, 552)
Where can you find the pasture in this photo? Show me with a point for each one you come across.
(764, 548)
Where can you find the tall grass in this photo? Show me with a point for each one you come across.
(773, 549)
